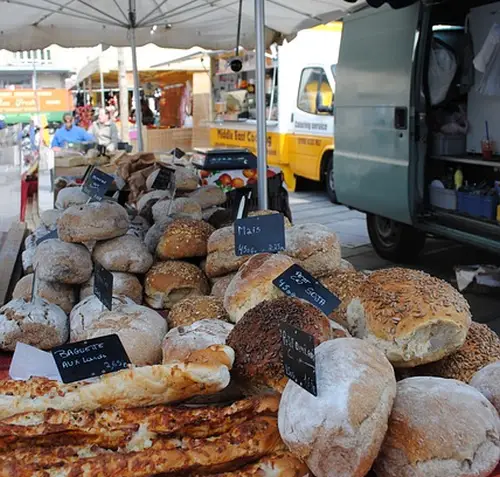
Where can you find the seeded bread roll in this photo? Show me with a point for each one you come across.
(208, 196)
(59, 294)
(190, 310)
(344, 284)
(36, 323)
(126, 254)
(487, 382)
(169, 282)
(94, 221)
(62, 262)
(439, 428)
(253, 283)
(313, 247)
(184, 238)
(339, 433)
(256, 340)
(124, 284)
(220, 285)
(414, 318)
(181, 208)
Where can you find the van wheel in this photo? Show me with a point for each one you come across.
(394, 241)
(330, 182)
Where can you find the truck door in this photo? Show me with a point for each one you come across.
(312, 122)
(373, 111)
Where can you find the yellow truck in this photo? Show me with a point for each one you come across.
(300, 89)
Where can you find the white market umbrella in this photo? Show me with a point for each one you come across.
(33, 24)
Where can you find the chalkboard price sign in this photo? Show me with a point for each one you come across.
(296, 282)
(299, 361)
(90, 358)
(165, 180)
(51, 235)
(103, 286)
(263, 234)
(97, 184)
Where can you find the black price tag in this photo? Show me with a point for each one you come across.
(51, 235)
(177, 153)
(298, 357)
(103, 286)
(97, 184)
(90, 358)
(262, 234)
(33, 287)
(165, 180)
(296, 282)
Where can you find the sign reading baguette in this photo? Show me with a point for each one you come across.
(299, 361)
(103, 286)
(262, 234)
(90, 358)
(50, 235)
(296, 282)
(97, 184)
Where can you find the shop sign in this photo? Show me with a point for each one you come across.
(264, 234)
(30, 101)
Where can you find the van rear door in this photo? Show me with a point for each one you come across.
(373, 104)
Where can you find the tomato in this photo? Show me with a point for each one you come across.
(238, 182)
(225, 179)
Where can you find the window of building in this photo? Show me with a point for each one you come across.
(47, 54)
(314, 91)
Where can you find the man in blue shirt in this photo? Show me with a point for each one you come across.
(68, 133)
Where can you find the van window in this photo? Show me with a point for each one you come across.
(312, 82)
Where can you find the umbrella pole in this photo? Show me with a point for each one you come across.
(261, 103)
(138, 110)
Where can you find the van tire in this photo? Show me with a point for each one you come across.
(329, 181)
(393, 240)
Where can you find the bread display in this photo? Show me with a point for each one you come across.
(124, 284)
(50, 217)
(180, 342)
(37, 323)
(256, 340)
(440, 428)
(94, 221)
(487, 382)
(413, 317)
(190, 310)
(339, 432)
(313, 247)
(220, 285)
(62, 262)
(169, 282)
(253, 283)
(184, 238)
(126, 254)
(209, 196)
(64, 296)
(70, 196)
(178, 209)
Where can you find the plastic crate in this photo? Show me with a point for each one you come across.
(443, 198)
(477, 205)
(444, 145)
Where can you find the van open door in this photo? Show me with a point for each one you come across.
(373, 111)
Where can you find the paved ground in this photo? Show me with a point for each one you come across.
(438, 258)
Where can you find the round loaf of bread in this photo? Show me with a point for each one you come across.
(209, 196)
(481, 347)
(180, 342)
(344, 284)
(487, 382)
(221, 258)
(154, 195)
(180, 208)
(124, 284)
(256, 340)
(27, 258)
(50, 217)
(59, 294)
(184, 238)
(126, 254)
(340, 431)
(36, 323)
(140, 329)
(167, 283)
(197, 308)
(70, 196)
(413, 317)
(58, 261)
(253, 283)
(220, 285)
(155, 233)
(138, 227)
(94, 221)
(440, 428)
(313, 247)
(87, 311)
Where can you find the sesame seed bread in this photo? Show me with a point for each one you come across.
(487, 382)
(412, 317)
(440, 428)
(253, 283)
(184, 238)
(339, 433)
(124, 284)
(196, 308)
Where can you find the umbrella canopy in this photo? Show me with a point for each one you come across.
(29, 24)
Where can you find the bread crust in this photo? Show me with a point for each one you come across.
(191, 310)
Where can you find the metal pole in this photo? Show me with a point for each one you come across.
(261, 103)
(133, 45)
(101, 75)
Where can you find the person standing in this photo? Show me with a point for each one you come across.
(105, 131)
(69, 133)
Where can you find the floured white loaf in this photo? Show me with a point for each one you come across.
(70, 196)
(487, 382)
